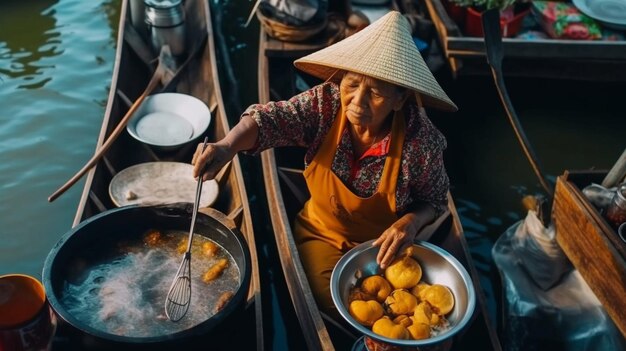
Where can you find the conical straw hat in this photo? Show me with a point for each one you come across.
(384, 50)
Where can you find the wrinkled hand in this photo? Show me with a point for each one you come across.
(399, 236)
(214, 157)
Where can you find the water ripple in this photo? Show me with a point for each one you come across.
(54, 77)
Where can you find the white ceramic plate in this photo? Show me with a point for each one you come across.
(169, 120)
(157, 183)
(611, 13)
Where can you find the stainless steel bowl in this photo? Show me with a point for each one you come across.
(438, 267)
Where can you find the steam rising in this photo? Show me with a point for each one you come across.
(125, 295)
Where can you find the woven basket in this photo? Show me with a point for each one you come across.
(286, 32)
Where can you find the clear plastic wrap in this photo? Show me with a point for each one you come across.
(547, 304)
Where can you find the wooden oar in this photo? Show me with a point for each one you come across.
(162, 74)
(617, 172)
(493, 46)
(254, 8)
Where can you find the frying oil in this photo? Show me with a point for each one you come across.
(124, 294)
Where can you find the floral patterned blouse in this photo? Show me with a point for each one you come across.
(305, 119)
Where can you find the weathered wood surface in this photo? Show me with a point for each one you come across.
(286, 192)
(591, 244)
(198, 77)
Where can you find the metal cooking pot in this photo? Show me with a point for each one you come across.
(101, 233)
(438, 267)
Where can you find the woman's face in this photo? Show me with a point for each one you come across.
(368, 101)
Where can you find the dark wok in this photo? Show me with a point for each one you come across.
(101, 233)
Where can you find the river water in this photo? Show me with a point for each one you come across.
(56, 61)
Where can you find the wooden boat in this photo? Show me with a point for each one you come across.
(196, 76)
(589, 241)
(597, 60)
(286, 193)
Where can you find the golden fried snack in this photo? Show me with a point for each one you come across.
(182, 246)
(419, 289)
(403, 273)
(399, 302)
(357, 294)
(423, 313)
(376, 286)
(387, 328)
(403, 320)
(436, 319)
(440, 298)
(210, 249)
(366, 312)
(222, 301)
(152, 238)
(419, 331)
(215, 271)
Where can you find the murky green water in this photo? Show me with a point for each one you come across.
(56, 61)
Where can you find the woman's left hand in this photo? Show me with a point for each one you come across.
(399, 236)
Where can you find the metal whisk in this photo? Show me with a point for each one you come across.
(179, 295)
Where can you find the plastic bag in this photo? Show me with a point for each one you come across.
(564, 21)
(540, 255)
(567, 316)
(295, 12)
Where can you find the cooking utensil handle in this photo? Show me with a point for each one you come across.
(107, 144)
(160, 74)
(196, 203)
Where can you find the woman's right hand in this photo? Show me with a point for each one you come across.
(214, 157)
(242, 137)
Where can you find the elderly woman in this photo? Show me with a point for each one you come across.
(374, 163)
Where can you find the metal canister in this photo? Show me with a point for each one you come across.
(166, 25)
(616, 212)
(138, 17)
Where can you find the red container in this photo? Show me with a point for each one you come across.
(456, 12)
(510, 25)
(26, 321)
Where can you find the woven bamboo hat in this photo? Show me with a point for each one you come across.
(383, 50)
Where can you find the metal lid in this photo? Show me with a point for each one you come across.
(162, 4)
(164, 13)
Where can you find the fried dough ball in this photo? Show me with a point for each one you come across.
(440, 298)
(209, 249)
(366, 312)
(152, 238)
(423, 313)
(357, 294)
(419, 331)
(223, 300)
(399, 302)
(387, 328)
(215, 271)
(182, 246)
(403, 319)
(435, 320)
(418, 290)
(403, 273)
(376, 286)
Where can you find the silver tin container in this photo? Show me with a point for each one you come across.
(138, 17)
(166, 25)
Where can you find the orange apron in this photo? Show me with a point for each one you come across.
(334, 219)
